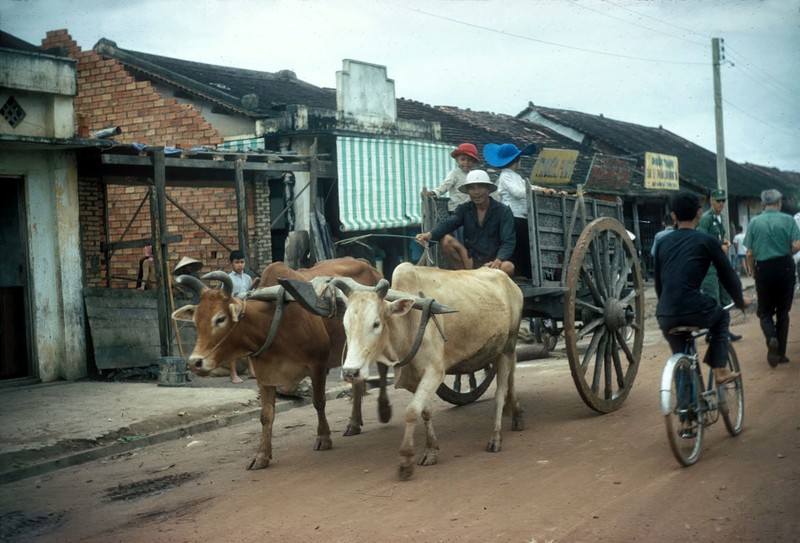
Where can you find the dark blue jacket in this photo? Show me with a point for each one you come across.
(495, 238)
(682, 261)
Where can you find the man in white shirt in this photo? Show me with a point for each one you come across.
(741, 252)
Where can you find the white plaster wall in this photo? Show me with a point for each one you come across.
(54, 262)
(364, 91)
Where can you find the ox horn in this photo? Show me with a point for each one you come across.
(193, 283)
(224, 278)
(347, 285)
(382, 288)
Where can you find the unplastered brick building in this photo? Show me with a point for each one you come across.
(112, 98)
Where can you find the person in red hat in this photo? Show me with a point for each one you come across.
(466, 156)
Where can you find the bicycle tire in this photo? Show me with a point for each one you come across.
(681, 392)
(731, 398)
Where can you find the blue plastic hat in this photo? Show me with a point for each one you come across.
(500, 156)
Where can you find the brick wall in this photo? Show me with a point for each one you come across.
(110, 96)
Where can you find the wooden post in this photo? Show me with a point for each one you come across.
(158, 219)
(241, 210)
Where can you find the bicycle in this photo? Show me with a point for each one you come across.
(689, 407)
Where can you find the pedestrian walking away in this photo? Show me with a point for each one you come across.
(682, 261)
(772, 237)
(740, 252)
(488, 229)
(669, 226)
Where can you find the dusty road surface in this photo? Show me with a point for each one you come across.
(571, 475)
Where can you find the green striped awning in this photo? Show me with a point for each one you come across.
(380, 180)
(243, 144)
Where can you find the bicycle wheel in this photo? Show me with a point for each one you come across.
(731, 398)
(680, 392)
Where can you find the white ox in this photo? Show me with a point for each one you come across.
(483, 330)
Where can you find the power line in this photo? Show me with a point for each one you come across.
(763, 73)
(778, 86)
(564, 46)
(734, 106)
(641, 26)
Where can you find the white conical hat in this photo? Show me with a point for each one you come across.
(187, 265)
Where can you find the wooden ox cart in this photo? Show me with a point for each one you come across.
(587, 284)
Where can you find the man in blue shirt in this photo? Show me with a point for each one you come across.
(682, 261)
(489, 237)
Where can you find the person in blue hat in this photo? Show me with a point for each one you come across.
(711, 223)
(512, 189)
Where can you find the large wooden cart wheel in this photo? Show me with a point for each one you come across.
(466, 387)
(605, 295)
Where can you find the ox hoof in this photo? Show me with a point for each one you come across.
(260, 461)
(518, 424)
(430, 457)
(384, 412)
(352, 430)
(323, 444)
(405, 472)
(494, 445)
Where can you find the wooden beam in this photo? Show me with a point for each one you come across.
(134, 243)
(241, 207)
(201, 164)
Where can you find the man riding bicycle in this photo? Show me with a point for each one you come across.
(682, 260)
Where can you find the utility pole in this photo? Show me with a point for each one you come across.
(722, 174)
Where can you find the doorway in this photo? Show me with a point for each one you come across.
(14, 323)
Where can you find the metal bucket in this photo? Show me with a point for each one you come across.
(171, 371)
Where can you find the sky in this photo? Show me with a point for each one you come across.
(643, 62)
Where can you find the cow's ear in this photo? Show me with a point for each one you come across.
(401, 306)
(185, 313)
(237, 309)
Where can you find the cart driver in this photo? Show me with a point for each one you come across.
(489, 237)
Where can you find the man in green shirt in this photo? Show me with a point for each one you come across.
(771, 239)
(711, 223)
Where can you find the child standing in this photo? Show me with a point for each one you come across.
(466, 156)
(241, 282)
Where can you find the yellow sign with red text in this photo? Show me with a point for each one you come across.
(554, 166)
(661, 172)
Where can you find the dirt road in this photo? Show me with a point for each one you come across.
(571, 475)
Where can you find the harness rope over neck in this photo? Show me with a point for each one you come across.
(423, 323)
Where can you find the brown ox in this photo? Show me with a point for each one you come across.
(483, 330)
(304, 345)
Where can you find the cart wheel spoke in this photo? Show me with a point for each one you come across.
(604, 302)
(591, 350)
